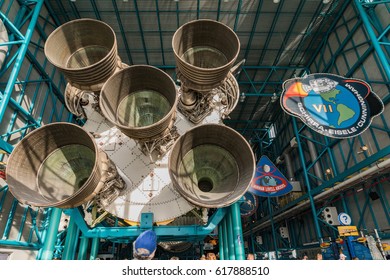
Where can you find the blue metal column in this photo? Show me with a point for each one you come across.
(10, 219)
(351, 247)
(94, 248)
(229, 228)
(201, 245)
(51, 235)
(225, 239)
(237, 231)
(373, 37)
(71, 241)
(221, 242)
(306, 177)
(273, 228)
(253, 249)
(82, 255)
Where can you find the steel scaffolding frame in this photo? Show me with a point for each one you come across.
(376, 45)
(24, 50)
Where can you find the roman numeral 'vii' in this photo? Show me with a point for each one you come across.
(326, 108)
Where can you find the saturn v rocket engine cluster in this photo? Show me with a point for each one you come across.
(147, 145)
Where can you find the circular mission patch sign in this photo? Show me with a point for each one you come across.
(331, 105)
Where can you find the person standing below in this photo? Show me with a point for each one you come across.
(144, 247)
(211, 256)
(319, 256)
(342, 257)
(250, 256)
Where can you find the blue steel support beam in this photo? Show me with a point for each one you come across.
(13, 28)
(372, 212)
(252, 244)
(74, 9)
(221, 242)
(340, 12)
(22, 223)
(45, 76)
(384, 201)
(10, 219)
(249, 44)
(229, 227)
(237, 231)
(96, 10)
(272, 227)
(160, 32)
(141, 31)
(307, 33)
(34, 214)
(94, 248)
(307, 180)
(289, 32)
(20, 244)
(3, 191)
(23, 92)
(82, 255)
(71, 241)
(19, 59)
(6, 146)
(50, 236)
(52, 13)
(198, 9)
(124, 39)
(134, 231)
(226, 248)
(373, 37)
(16, 33)
(239, 4)
(358, 209)
(219, 10)
(345, 206)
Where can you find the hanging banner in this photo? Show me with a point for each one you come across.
(331, 105)
(268, 180)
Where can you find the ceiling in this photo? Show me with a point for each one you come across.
(278, 40)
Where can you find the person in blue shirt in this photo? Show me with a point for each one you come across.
(144, 247)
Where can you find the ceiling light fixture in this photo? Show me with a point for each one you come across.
(329, 173)
(274, 98)
(242, 97)
(364, 148)
(276, 1)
